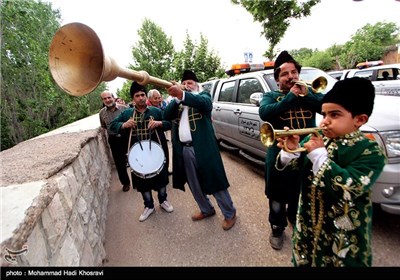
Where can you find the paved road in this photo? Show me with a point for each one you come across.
(172, 239)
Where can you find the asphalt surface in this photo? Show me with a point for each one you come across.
(174, 240)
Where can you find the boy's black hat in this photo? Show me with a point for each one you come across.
(354, 94)
(189, 75)
(135, 87)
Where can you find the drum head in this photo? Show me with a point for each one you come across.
(148, 162)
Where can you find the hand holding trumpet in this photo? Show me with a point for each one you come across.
(290, 143)
(175, 90)
(300, 88)
(289, 139)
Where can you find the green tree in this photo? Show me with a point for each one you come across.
(154, 52)
(335, 52)
(205, 63)
(31, 103)
(369, 43)
(274, 17)
(319, 59)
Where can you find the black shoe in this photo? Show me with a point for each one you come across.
(276, 241)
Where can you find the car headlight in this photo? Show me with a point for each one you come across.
(390, 141)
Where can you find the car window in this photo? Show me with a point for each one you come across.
(387, 74)
(367, 74)
(336, 75)
(207, 86)
(246, 88)
(269, 78)
(227, 91)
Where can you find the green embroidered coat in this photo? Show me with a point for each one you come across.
(280, 110)
(334, 218)
(142, 133)
(209, 162)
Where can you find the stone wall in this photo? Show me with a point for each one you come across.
(54, 193)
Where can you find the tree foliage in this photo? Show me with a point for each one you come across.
(31, 103)
(368, 43)
(274, 17)
(205, 63)
(155, 53)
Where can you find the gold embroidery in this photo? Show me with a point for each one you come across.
(193, 117)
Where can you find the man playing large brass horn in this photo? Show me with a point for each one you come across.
(293, 105)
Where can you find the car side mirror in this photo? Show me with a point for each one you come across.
(255, 98)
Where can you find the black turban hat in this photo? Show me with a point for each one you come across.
(284, 57)
(355, 94)
(135, 87)
(189, 75)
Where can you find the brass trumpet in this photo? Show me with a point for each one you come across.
(268, 135)
(317, 85)
(78, 64)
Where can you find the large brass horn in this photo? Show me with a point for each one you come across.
(78, 64)
(268, 135)
(317, 85)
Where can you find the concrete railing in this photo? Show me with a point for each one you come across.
(54, 196)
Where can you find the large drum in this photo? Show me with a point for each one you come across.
(146, 159)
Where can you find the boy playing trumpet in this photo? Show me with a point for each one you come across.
(334, 217)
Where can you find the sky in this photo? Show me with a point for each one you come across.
(229, 28)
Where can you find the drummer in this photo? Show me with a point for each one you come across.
(145, 123)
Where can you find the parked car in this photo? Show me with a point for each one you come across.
(237, 125)
(210, 86)
(235, 109)
(339, 74)
(385, 78)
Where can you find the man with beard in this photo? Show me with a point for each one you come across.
(196, 156)
(117, 141)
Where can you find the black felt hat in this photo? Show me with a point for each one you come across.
(135, 87)
(284, 57)
(189, 75)
(354, 94)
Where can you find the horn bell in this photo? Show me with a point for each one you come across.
(76, 59)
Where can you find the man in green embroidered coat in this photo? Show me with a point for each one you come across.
(293, 106)
(145, 126)
(196, 157)
(333, 226)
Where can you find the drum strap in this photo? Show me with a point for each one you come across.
(159, 141)
(130, 134)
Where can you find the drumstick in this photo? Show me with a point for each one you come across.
(151, 118)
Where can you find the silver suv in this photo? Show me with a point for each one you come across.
(237, 124)
(385, 78)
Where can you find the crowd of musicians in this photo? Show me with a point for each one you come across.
(322, 194)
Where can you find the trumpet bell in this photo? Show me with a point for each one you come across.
(319, 84)
(268, 135)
